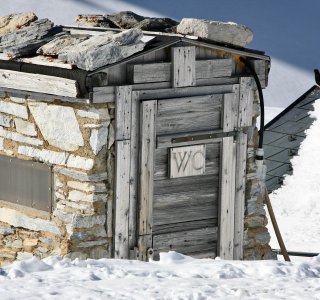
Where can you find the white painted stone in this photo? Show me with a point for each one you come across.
(92, 243)
(76, 196)
(24, 255)
(80, 221)
(20, 100)
(91, 126)
(58, 125)
(94, 113)
(57, 182)
(225, 32)
(80, 162)
(63, 216)
(59, 196)
(18, 137)
(77, 206)
(87, 187)
(79, 175)
(18, 219)
(14, 109)
(1, 144)
(8, 152)
(111, 135)
(48, 156)
(99, 138)
(100, 232)
(6, 231)
(25, 127)
(5, 120)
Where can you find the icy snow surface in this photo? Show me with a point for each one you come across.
(175, 277)
(297, 203)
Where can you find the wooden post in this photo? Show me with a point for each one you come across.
(148, 115)
(276, 228)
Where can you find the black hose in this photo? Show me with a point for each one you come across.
(255, 76)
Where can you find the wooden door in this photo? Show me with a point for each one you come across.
(187, 165)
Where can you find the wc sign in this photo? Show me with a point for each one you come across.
(187, 161)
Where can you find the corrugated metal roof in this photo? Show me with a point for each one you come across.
(283, 136)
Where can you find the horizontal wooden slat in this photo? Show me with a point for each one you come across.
(186, 242)
(185, 206)
(207, 119)
(39, 83)
(189, 104)
(186, 91)
(185, 226)
(211, 167)
(158, 72)
(186, 184)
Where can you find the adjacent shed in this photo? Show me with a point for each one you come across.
(152, 152)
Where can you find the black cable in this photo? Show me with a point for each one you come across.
(255, 76)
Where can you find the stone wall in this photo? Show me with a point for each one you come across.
(77, 140)
(256, 235)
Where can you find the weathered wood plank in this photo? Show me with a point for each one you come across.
(183, 66)
(105, 94)
(186, 92)
(187, 241)
(122, 199)
(186, 184)
(240, 188)
(185, 226)
(191, 138)
(40, 60)
(245, 102)
(147, 140)
(161, 72)
(134, 169)
(185, 206)
(33, 96)
(235, 106)
(38, 83)
(123, 113)
(189, 104)
(206, 118)
(227, 194)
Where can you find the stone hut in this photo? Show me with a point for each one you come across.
(125, 142)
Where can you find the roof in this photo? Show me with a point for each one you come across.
(283, 136)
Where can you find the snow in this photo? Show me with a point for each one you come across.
(175, 276)
(296, 204)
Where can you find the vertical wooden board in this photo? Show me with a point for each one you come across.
(227, 193)
(230, 111)
(147, 148)
(245, 102)
(183, 65)
(123, 112)
(235, 105)
(240, 176)
(121, 238)
(134, 160)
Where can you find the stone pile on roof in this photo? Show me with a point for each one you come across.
(23, 35)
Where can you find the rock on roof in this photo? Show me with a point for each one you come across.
(24, 35)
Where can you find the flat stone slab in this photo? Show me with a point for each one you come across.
(104, 49)
(58, 125)
(223, 32)
(14, 22)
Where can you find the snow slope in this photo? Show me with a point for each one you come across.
(285, 29)
(175, 277)
(296, 204)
